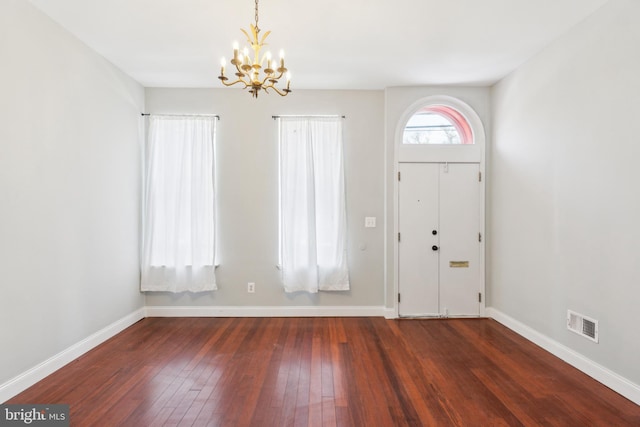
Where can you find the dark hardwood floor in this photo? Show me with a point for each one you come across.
(326, 372)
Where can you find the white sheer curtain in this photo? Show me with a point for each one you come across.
(178, 249)
(313, 222)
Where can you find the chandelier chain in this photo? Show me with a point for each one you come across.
(257, 29)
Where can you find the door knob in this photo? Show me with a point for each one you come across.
(434, 232)
(434, 247)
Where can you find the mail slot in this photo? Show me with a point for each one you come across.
(459, 264)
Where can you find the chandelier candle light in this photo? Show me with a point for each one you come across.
(248, 71)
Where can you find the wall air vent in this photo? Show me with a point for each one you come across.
(582, 325)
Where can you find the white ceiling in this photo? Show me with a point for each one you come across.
(329, 44)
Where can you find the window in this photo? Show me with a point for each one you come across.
(179, 205)
(313, 223)
(437, 124)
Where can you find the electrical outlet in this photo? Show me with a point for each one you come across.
(251, 287)
(370, 222)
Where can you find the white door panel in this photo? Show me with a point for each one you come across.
(460, 246)
(418, 217)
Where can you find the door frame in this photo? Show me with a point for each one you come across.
(439, 154)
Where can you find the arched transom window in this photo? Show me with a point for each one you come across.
(437, 124)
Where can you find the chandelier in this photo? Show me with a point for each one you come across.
(250, 72)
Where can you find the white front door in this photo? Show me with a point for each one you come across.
(439, 239)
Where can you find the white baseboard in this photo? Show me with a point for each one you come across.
(265, 311)
(598, 372)
(40, 371)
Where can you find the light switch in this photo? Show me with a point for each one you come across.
(370, 222)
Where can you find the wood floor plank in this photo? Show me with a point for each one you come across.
(292, 360)
(326, 372)
(336, 338)
(315, 382)
(302, 408)
(380, 379)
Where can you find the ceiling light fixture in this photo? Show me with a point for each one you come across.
(248, 71)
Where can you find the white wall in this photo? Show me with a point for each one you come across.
(69, 190)
(565, 199)
(247, 197)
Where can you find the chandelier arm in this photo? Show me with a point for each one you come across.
(235, 82)
(274, 77)
(237, 65)
(269, 77)
(283, 93)
(269, 85)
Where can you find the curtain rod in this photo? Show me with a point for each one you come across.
(184, 115)
(309, 115)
